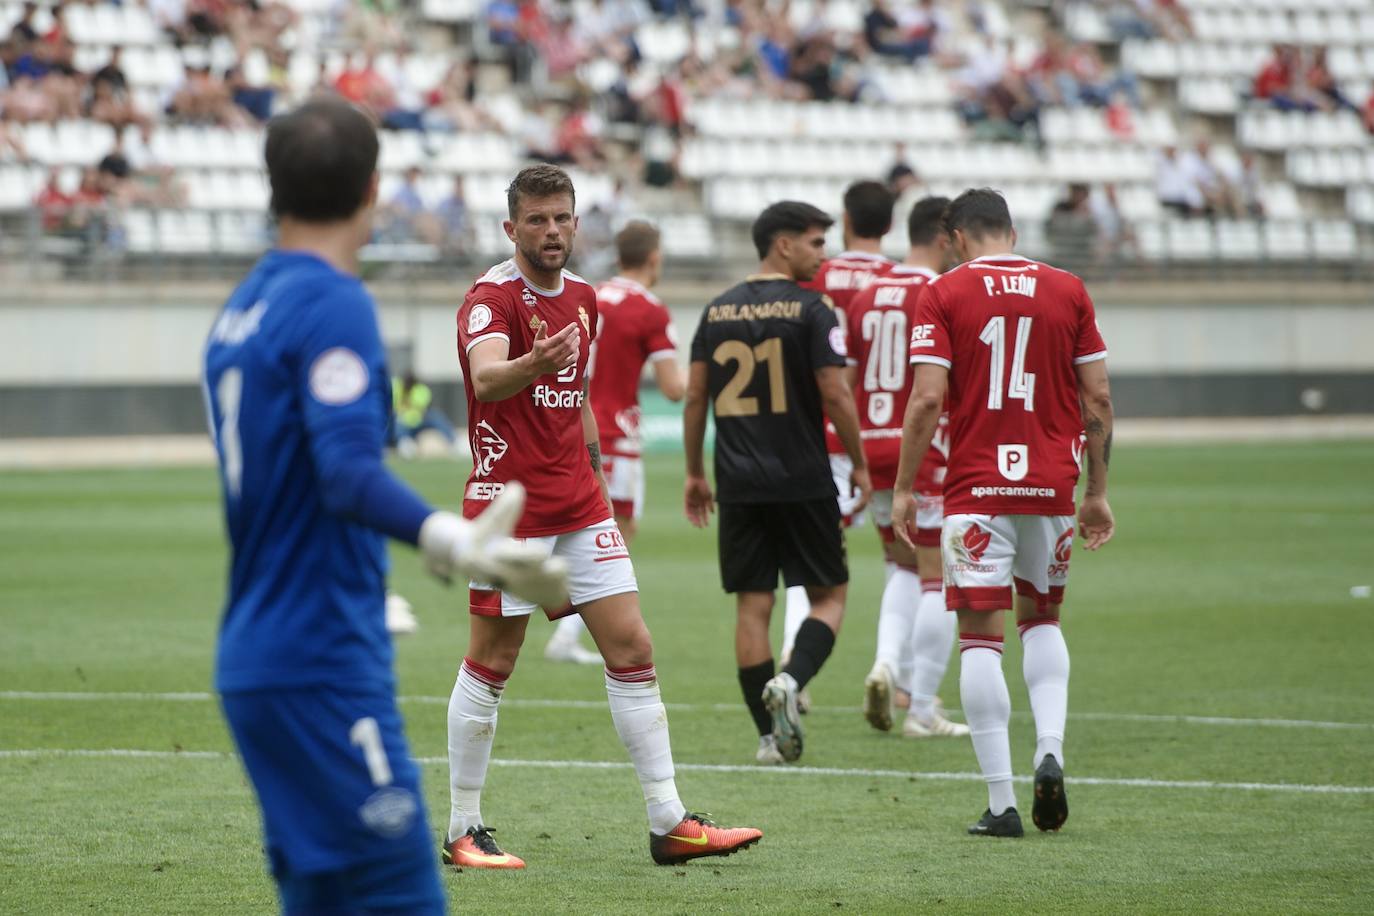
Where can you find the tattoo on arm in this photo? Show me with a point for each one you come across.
(594, 450)
(1093, 426)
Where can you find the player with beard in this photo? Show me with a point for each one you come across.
(524, 335)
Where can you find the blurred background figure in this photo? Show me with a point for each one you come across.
(413, 412)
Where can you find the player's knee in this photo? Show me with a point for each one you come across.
(632, 648)
(754, 606)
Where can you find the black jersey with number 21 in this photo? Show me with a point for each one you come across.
(762, 342)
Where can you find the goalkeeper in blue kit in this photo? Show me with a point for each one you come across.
(298, 397)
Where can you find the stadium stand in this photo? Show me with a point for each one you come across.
(1210, 134)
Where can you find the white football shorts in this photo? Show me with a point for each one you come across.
(598, 566)
(625, 481)
(986, 556)
(930, 516)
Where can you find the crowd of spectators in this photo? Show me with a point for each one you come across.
(1193, 183)
(1294, 79)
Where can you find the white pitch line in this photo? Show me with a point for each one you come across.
(839, 772)
(531, 703)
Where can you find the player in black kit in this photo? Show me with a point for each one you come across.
(769, 356)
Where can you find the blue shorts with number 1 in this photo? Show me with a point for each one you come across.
(342, 810)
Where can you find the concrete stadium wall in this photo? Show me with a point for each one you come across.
(89, 367)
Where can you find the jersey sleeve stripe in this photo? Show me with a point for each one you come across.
(662, 354)
(1090, 358)
(936, 360)
(484, 338)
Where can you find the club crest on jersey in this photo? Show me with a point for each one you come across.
(487, 448)
(585, 319)
(1013, 461)
(528, 296)
(534, 323)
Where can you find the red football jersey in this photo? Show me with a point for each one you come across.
(1010, 330)
(842, 278)
(880, 319)
(534, 436)
(635, 328)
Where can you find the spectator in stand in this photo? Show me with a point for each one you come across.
(206, 18)
(1277, 81)
(774, 49)
(818, 74)
(54, 205)
(1097, 83)
(204, 99)
(1247, 187)
(1203, 173)
(23, 32)
(1322, 83)
(884, 35)
(255, 100)
(538, 133)
(1368, 113)
(401, 104)
(1071, 229)
(578, 140)
(359, 82)
(1049, 76)
(1114, 233)
(110, 102)
(562, 50)
(452, 217)
(372, 22)
(609, 30)
(1175, 185)
(996, 100)
(452, 105)
(405, 218)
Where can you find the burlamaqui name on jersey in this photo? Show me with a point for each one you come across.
(754, 311)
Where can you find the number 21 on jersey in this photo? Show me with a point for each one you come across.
(731, 401)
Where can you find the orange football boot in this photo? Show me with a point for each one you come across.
(698, 836)
(476, 849)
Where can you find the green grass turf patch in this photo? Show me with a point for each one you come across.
(1226, 593)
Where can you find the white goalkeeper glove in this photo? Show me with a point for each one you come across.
(482, 550)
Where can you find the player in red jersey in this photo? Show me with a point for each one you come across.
(1015, 345)
(524, 335)
(635, 327)
(915, 633)
(867, 218)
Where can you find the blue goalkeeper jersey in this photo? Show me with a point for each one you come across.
(298, 397)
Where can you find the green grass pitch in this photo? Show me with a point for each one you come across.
(1226, 594)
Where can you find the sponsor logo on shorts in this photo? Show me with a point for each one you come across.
(610, 545)
(966, 550)
(975, 542)
(1063, 548)
(389, 812)
(487, 448)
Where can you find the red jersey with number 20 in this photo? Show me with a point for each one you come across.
(1010, 330)
(635, 328)
(534, 436)
(880, 319)
(842, 278)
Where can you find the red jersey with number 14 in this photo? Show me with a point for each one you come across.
(842, 278)
(534, 436)
(1010, 330)
(880, 319)
(635, 328)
